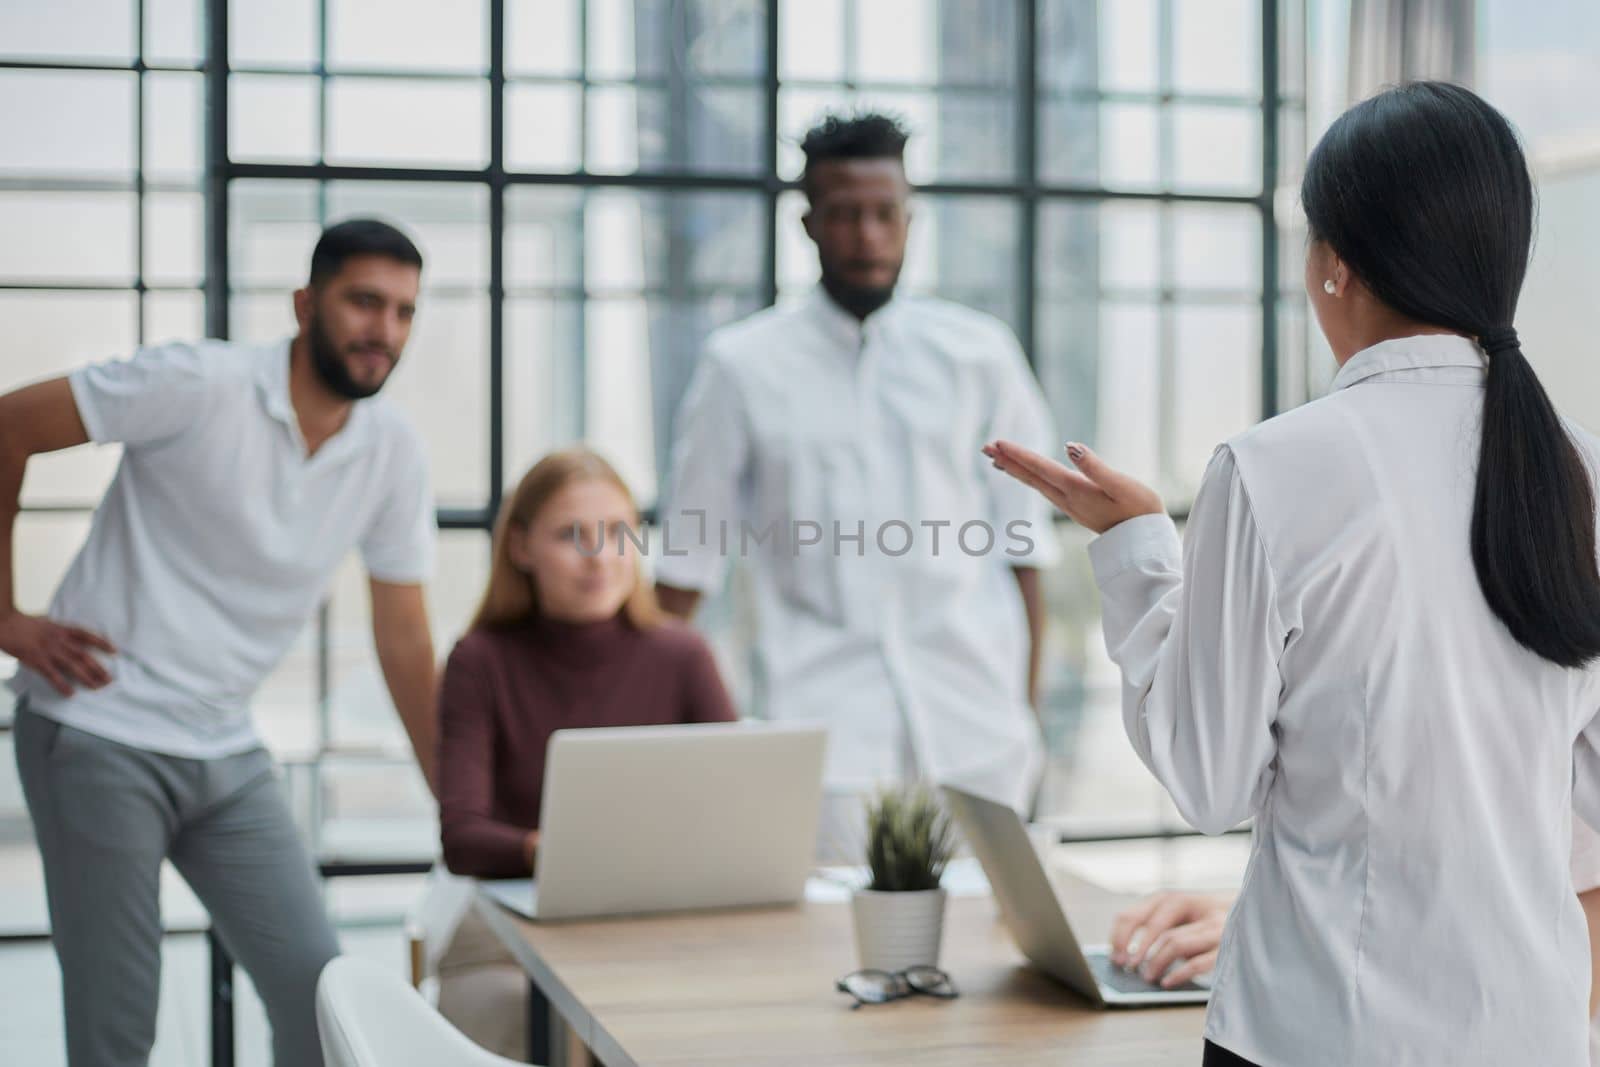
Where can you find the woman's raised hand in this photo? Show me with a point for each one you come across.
(1095, 495)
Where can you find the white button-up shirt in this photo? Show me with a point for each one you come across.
(1585, 878)
(900, 629)
(1321, 658)
(218, 537)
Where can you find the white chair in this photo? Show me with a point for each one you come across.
(369, 1017)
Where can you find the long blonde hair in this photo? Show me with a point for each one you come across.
(512, 596)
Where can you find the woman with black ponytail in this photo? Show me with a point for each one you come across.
(1379, 638)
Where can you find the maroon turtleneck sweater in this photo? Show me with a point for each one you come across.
(505, 691)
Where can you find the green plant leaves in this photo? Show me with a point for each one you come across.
(909, 840)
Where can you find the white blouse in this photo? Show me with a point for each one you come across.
(1318, 655)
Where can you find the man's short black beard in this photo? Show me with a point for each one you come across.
(859, 301)
(334, 374)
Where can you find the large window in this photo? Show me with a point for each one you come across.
(596, 185)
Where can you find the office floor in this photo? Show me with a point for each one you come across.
(31, 1028)
(30, 981)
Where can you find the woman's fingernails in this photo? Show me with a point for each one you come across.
(1074, 452)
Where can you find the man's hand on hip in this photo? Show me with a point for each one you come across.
(61, 655)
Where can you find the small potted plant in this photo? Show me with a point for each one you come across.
(899, 916)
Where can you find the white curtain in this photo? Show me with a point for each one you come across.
(1394, 41)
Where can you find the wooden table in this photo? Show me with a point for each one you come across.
(757, 987)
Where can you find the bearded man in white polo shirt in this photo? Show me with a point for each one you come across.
(247, 473)
(900, 605)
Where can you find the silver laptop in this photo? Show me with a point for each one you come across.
(1034, 914)
(640, 819)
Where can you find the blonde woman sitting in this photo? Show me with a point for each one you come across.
(568, 635)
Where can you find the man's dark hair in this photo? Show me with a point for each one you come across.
(864, 135)
(360, 237)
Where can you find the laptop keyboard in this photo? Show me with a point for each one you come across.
(1111, 976)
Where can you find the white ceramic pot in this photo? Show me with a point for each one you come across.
(898, 930)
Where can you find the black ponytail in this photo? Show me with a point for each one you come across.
(1423, 190)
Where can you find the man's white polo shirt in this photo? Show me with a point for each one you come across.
(218, 537)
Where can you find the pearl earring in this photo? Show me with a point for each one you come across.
(1329, 288)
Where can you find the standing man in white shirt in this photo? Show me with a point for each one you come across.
(248, 472)
(899, 601)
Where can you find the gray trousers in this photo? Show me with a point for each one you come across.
(106, 815)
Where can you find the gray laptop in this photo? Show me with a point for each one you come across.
(1035, 917)
(641, 819)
